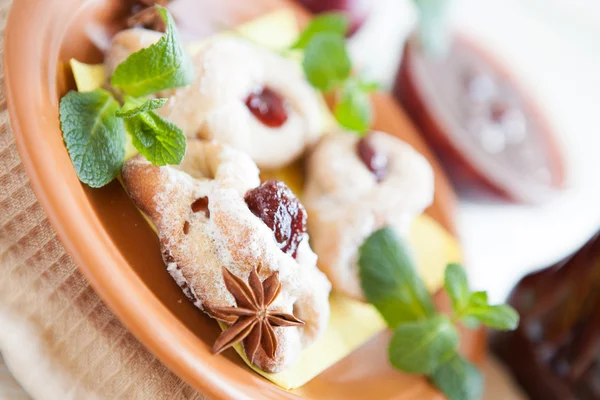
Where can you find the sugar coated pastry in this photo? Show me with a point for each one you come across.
(250, 98)
(243, 95)
(354, 187)
(237, 248)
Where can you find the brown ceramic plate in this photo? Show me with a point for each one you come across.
(115, 248)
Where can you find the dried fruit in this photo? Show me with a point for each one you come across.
(279, 208)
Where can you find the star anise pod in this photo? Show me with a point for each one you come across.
(251, 321)
(145, 14)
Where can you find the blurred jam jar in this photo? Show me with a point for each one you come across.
(483, 127)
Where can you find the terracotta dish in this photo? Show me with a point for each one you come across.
(116, 249)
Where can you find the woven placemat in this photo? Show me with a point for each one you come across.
(57, 338)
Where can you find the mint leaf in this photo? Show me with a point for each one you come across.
(149, 105)
(420, 347)
(354, 111)
(458, 379)
(457, 286)
(389, 279)
(478, 299)
(163, 65)
(94, 137)
(157, 139)
(501, 317)
(326, 61)
(369, 86)
(332, 22)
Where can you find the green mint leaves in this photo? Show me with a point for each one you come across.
(473, 307)
(136, 107)
(163, 65)
(390, 281)
(457, 286)
(458, 379)
(335, 23)
(326, 61)
(425, 341)
(417, 347)
(95, 139)
(353, 109)
(94, 125)
(160, 141)
(327, 67)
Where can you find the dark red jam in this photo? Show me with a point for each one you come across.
(555, 352)
(268, 107)
(483, 126)
(375, 161)
(279, 208)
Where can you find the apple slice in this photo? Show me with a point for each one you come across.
(485, 129)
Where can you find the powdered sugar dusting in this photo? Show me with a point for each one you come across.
(346, 203)
(230, 236)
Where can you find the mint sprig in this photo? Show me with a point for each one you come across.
(390, 281)
(136, 107)
(157, 139)
(458, 379)
(353, 109)
(425, 341)
(163, 65)
(417, 347)
(474, 306)
(327, 67)
(326, 61)
(94, 125)
(94, 138)
(332, 22)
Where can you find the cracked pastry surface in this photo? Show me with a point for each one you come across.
(204, 224)
(243, 95)
(355, 186)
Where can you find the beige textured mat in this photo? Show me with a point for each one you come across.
(56, 336)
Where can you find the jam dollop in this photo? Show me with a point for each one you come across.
(375, 161)
(279, 208)
(268, 107)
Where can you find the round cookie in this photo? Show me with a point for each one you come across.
(354, 187)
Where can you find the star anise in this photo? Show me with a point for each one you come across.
(145, 14)
(251, 321)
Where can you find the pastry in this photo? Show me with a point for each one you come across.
(243, 95)
(355, 186)
(221, 234)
